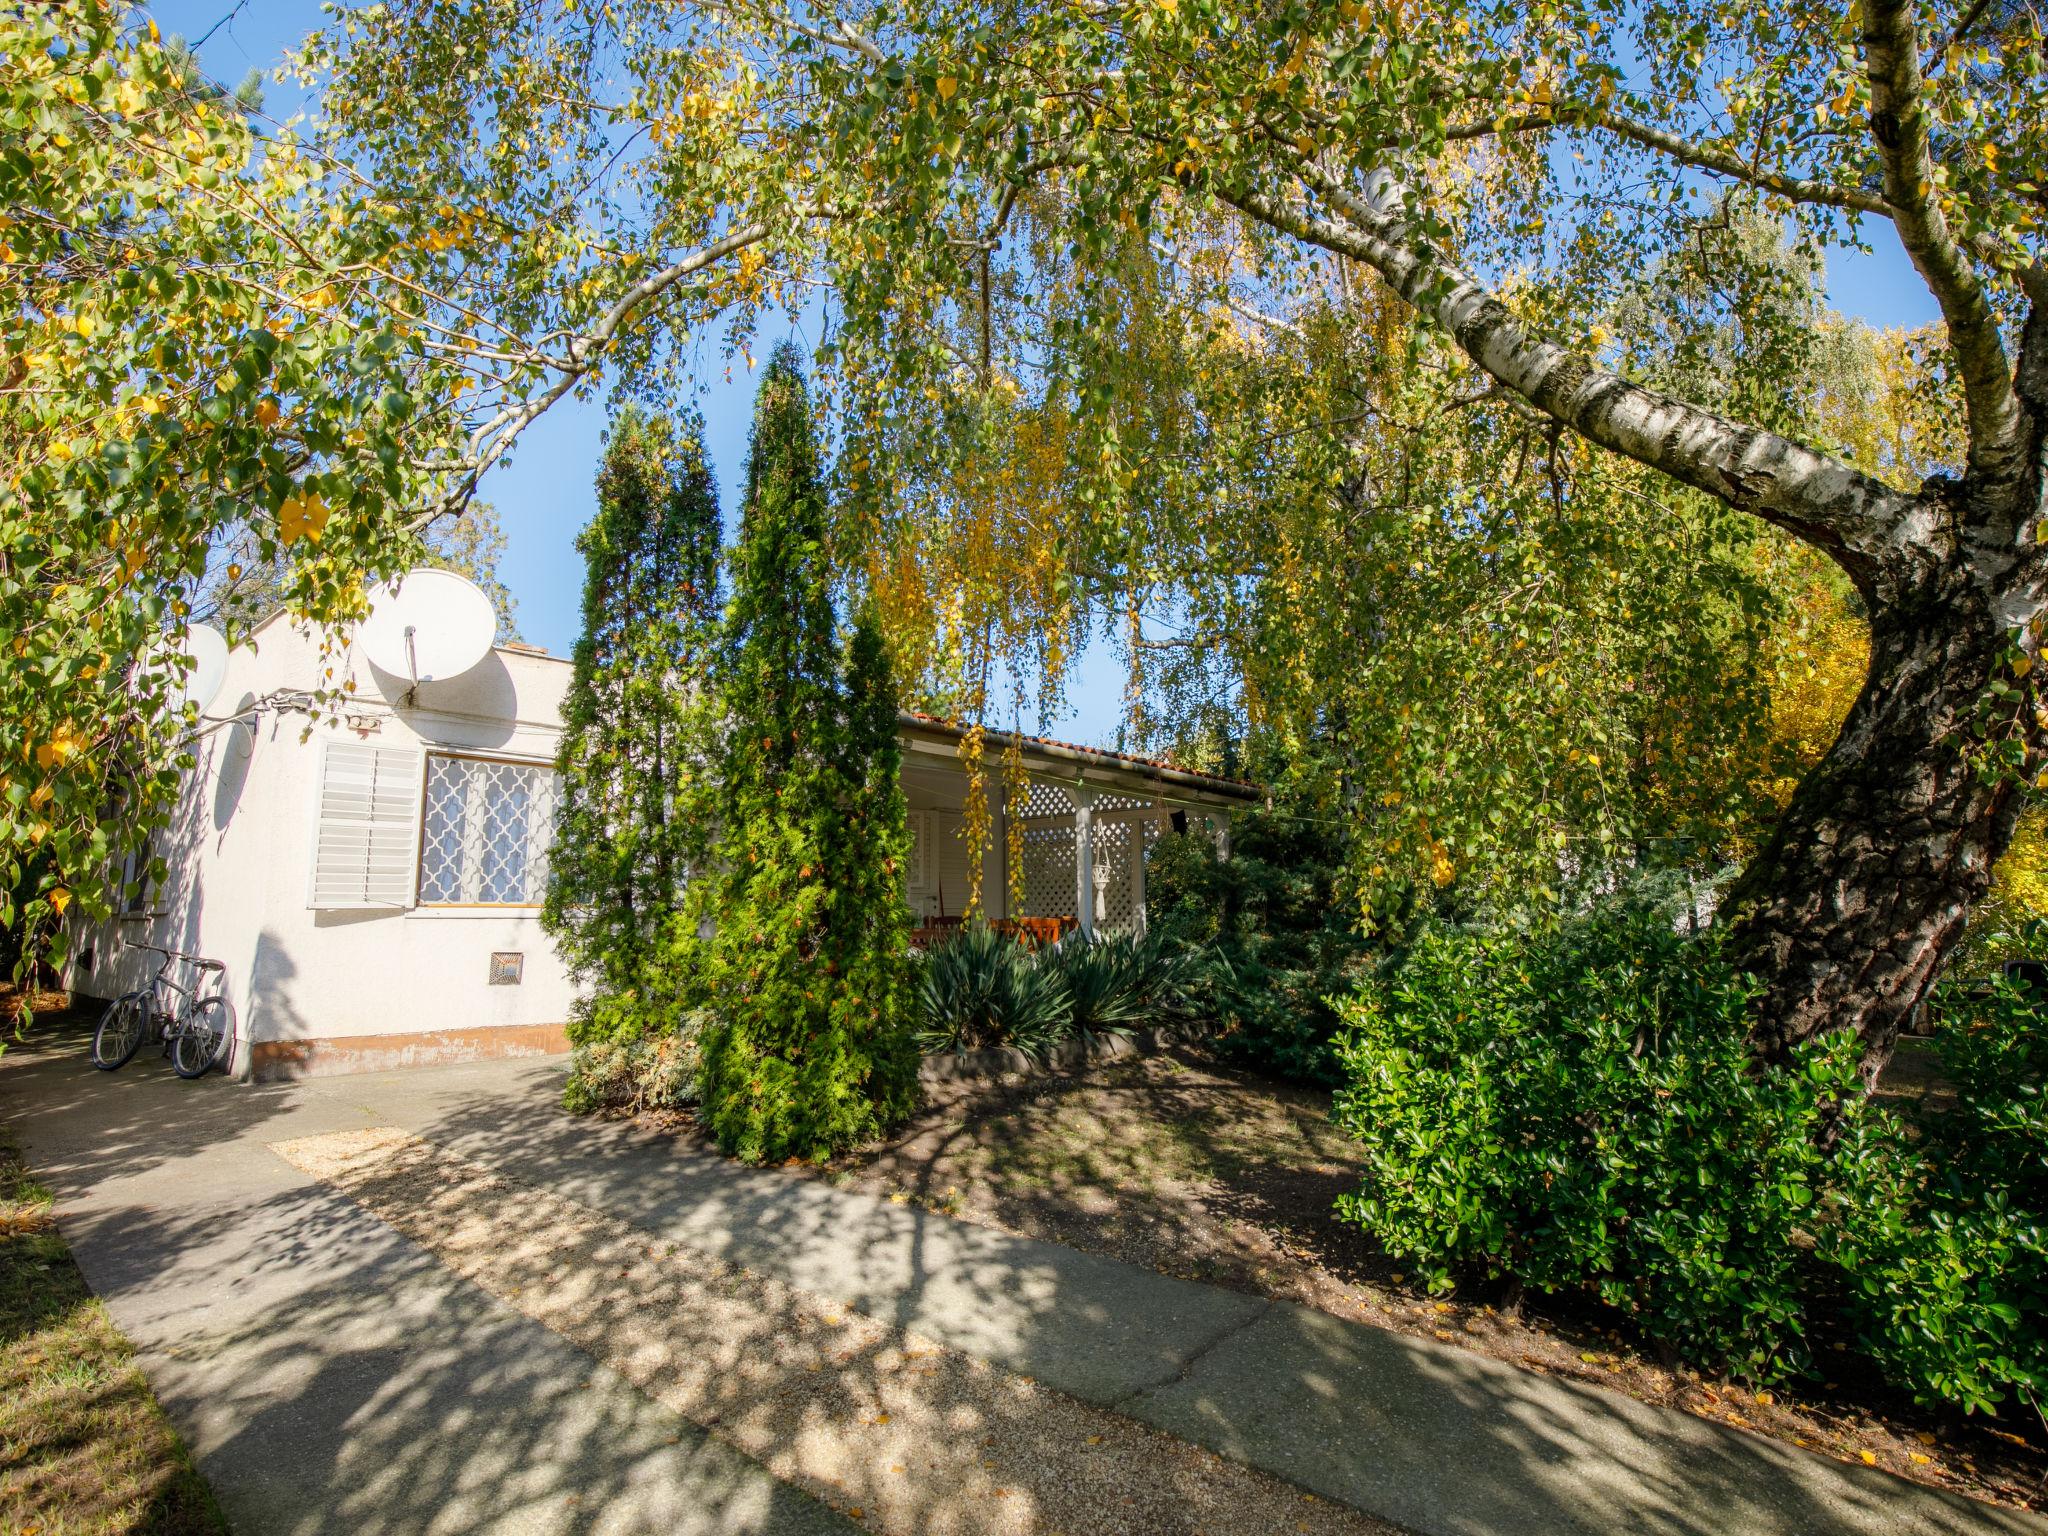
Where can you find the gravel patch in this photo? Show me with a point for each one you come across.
(898, 1433)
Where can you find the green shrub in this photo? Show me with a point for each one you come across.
(1940, 1225)
(808, 1050)
(633, 1074)
(637, 722)
(981, 988)
(1576, 1106)
(1276, 930)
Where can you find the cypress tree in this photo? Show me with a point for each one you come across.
(805, 1052)
(632, 815)
(871, 927)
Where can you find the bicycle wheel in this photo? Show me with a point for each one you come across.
(120, 1031)
(205, 1038)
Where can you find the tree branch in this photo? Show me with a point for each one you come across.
(1857, 520)
(2031, 276)
(491, 441)
(1898, 125)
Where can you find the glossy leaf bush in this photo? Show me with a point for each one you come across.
(1940, 1225)
(1576, 1107)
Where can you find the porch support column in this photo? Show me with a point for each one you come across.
(1084, 858)
(1138, 824)
(995, 905)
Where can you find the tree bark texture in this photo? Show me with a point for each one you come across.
(1850, 909)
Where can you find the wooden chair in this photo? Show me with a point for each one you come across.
(1037, 932)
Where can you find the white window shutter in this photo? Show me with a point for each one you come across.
(365, 847)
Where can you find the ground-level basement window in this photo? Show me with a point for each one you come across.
(485, 832)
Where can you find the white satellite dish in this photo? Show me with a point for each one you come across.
(189, 672)
(427, 625)
(207, 649)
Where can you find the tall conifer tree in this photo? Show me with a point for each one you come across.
(633, 816)
(806, 1052)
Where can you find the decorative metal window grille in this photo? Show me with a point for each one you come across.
(507, 966)
(485, 834)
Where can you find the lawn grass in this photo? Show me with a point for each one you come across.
(84, 1448)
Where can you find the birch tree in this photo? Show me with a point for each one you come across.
(1501, 171)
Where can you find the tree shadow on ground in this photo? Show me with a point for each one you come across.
(1217, 1174)
(321, 1362)
(1433, 1437)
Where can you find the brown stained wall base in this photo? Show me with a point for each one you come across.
(273, 1061)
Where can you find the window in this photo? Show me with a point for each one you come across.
(485, 832)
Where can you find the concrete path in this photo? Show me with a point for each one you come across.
(338, 1370)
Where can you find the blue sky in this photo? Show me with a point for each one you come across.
(543, 494)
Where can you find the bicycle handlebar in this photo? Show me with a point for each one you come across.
(200, 961)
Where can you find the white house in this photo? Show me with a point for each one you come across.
(372, 885)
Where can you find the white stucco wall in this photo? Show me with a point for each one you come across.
(241, 847)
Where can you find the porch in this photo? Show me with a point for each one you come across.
(1083, 824)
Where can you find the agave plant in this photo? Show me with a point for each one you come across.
(982, 988)
(1119, 981)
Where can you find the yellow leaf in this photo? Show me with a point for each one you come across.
(59, 900)
(948, 84)
(302, 516)
(266, 413)
(1869, 1457)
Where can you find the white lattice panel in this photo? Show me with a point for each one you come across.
(1117, 909)
(1048, 872)
(1043, 800)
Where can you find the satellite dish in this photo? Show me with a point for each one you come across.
(207, 649)
(427, 625)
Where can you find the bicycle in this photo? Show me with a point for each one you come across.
(197, 1031)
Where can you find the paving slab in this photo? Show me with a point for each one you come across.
(1428, 1436)
(328, 1374)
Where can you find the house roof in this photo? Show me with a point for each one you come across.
(1121, 765)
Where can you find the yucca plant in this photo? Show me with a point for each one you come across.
(982, 988)
(1119, 981)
